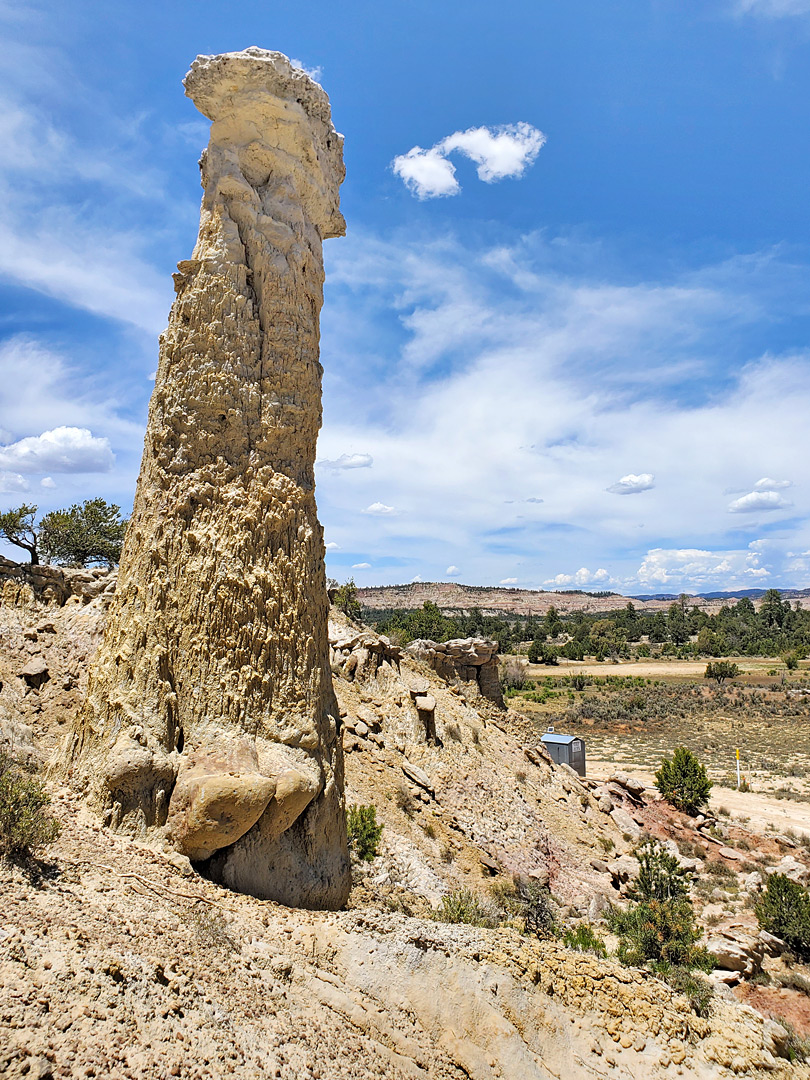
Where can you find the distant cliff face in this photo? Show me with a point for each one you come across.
(450, 595)
(210, 715)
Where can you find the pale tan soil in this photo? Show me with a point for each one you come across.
(657, 669)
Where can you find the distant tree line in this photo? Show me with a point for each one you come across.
(683, 630)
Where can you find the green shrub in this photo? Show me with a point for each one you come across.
(683, 781)
(697, 990)
(363, 831)
(25, 827)
(463, 906)
(345, 598)
(720, 670)
(660, 930)
(784, 910)
(660, 875)
(583, 939)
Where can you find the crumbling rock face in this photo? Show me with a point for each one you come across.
(470, 660)
(210, 716)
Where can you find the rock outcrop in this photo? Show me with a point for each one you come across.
(210, 717)
(468, 660)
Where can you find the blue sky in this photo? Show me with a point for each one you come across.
(566, 340)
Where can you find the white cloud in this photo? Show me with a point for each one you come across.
(759, 500)
(452, 571)
(48, 482)
(773, 9)
(583, 576)
(361, 566)
(499, 152)
(378, 509)
(426, 173)
(348, 461)
(332, 546)
(508, 581)
(65, 449)
(767, 484)
(632, 484)
(315, 73)
(678, 567)
(11, 482)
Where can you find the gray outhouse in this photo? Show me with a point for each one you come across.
(566, 749)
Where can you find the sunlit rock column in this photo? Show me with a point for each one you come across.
(210, 716)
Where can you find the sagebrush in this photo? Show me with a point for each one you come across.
(25, 825)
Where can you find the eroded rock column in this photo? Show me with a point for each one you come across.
(210, 716)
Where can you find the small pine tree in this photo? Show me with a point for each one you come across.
(660, 875)
(683, 781)
(784, 910)
(363, 832)
(346, 599)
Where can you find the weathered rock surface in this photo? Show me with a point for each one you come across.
(217, 632)
(470, 660)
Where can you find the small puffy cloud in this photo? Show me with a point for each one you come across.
(65, 449)
(332, 546)
(416, 580)
(426, 173)
(452, 571)
(499, 152)
(767, 484)
(533, 499)
(48, 482)
(361, 566)
(11, 482)
(508, 581)
(632, 484)
(379, 509)
(773, 9)
(583, 576)
(348, 461)
(757, 501)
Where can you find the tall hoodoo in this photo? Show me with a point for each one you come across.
(210, 715)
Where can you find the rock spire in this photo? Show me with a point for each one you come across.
(210, 717)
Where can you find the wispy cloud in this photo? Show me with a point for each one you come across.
(538, 378)
(501, 152)
(773, 9)
(632, 484)
(348, 461)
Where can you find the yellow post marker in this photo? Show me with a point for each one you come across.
(738, 768)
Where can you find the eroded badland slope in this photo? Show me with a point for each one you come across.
(117, 959)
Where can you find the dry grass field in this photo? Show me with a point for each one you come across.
(632, 715)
